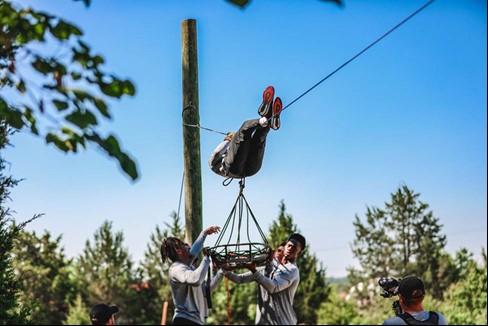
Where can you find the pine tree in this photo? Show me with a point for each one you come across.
(45, 277)
(11, 311)
(105, 271)
(78, 313)
(402, 239)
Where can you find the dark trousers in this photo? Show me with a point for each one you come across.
(183, 321)
(246, 150)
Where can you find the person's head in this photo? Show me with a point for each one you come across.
(294, 246)
(174, 249)
(102, 314)
(411, 291)
(229, 135)
(279, 253)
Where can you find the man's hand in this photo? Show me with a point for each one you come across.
(251, 266)
(271, 254)
(228, 267)
(206, 251)
(212, 229)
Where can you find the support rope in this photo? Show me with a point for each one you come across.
(228, 299)
(181, 193)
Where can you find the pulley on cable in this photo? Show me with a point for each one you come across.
(237, 250)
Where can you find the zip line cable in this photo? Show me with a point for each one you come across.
(340, 67)
(361, 52)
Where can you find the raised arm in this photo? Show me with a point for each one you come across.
(198, 244)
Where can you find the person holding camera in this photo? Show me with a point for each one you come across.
(411, 293)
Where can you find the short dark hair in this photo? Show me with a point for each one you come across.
(296, 237)
(101, 313)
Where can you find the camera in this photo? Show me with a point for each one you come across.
(390, 289)
(389, 286)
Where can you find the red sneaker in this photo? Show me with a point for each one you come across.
(265, 109)
(277, 108)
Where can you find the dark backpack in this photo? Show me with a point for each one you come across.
(433, 319)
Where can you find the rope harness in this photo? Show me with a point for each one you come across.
(234, 252)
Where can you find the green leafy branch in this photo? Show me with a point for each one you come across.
(70, 92)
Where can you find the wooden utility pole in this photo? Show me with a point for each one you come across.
(191, 135)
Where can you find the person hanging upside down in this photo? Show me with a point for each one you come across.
(241, 154)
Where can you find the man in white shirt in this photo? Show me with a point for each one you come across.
(280, 285)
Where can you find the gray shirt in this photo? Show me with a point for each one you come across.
(264, 310)
(421, 316)
(279, 291)
(187, 284)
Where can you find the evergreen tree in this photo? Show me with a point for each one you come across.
(11, 310)
(45, 277)
(105, 270)
(78, 313)
(281, 228)
(402, 239)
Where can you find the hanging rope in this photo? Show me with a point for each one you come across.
(228, 299)
(227, 181)
(235, 253)
(181, 193)
(340, 67)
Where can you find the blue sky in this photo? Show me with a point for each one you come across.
(411, 110)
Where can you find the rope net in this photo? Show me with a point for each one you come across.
(233, 249)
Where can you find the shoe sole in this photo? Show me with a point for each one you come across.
(277, 108)
(264, 109)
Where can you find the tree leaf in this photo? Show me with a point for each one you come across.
(111, 146)
(21, 86)
(102, 107)
(60, 105)
(82, 119)
(129, 88)
(11, 114)
(64, 30)
(42, 66)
